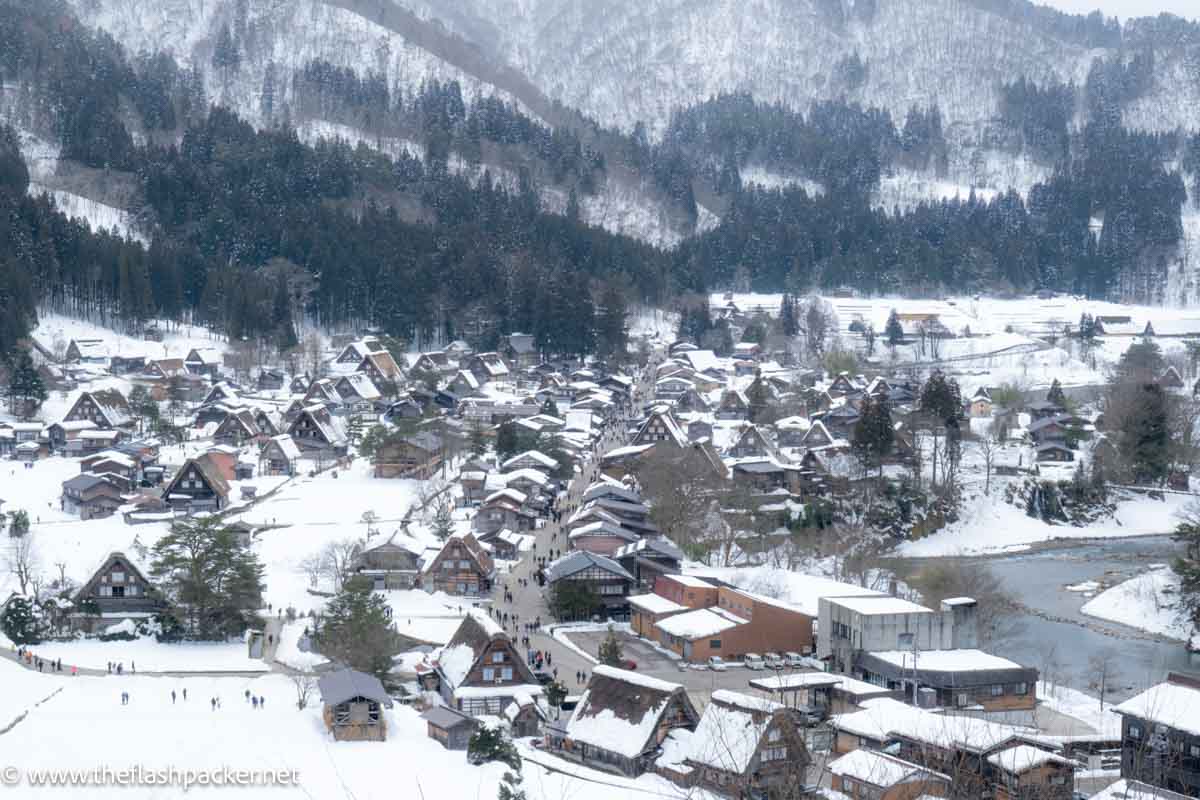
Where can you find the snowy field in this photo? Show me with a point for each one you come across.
(991, 525)
(997, 341)
(288, 651)
(55, 329)
(156, 733)
(1147, 602)
(96, 215)
(147, 655)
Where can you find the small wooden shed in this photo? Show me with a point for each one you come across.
(353, 706)
(452, 728)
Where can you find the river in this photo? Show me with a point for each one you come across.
(1061, 650)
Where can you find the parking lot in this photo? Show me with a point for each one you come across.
(699, 682)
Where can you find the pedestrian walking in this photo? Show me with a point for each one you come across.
(262, 701)
(213, 702)
(254, 702)
(172, 697)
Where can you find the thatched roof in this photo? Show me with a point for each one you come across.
(620, 711)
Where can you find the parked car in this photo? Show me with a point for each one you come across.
(773, 660)
(717, 664)
(569, 702)
(793, 659)
(754, 661)
(628, 663)
(543, 677)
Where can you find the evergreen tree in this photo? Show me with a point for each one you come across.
(549, 407)
(1056, 395)
(874, 435)
(356, 630)
(490, 743)
(443, 523)
(940, 398)
(1144, 439)
(26, 390)
(508, 440)
(610, 650)
(477, 440)
(18, 522)
(1187, 566)
(22, 621)
(210, 579)
(893, 330)
(788, 323)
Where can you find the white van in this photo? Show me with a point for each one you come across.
(793, 659)
(754, 661)
(773, 660)
(716, 664)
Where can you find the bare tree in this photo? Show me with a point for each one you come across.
(305, 685)
(314, 567)
(338, 560)
(23, 562)
(680, 488)
(944, 578)
(1103, 669)
(314, 355)
(988, 448)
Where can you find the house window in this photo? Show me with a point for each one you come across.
(497, 658)
(774, 735)
(118, 591)
(774, 754)
(1022, 688)
(997, 690)
(1058, 780)
(1135, 731)
(464, 564)
(489, 674)
(506, 673)
(714, 644)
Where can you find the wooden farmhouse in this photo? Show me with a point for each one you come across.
(623, 719)
(353, 706)
(462, 567)
(116, 591)
(480, 671)
(197, 486)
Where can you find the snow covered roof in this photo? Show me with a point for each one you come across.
(657, 544)
(1136, 790)
(534, 455)
(1171, 704)
(603, 528)
(730, 729)
(877, 769)
(507, 494)
(700, 623)
(947, 660)
(620, 710)
(655, 604)
(804, 680)
(287, 445)
(347, 684)
(879, 604)
(694, 581)
(1025, 757)
(579, 560)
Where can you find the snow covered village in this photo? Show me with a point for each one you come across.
(600, 399)
(715, 565)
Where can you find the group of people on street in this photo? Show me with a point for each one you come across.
(28, 658)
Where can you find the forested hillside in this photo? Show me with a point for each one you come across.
(451, 207)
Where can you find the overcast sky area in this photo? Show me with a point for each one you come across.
(1189, 9)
